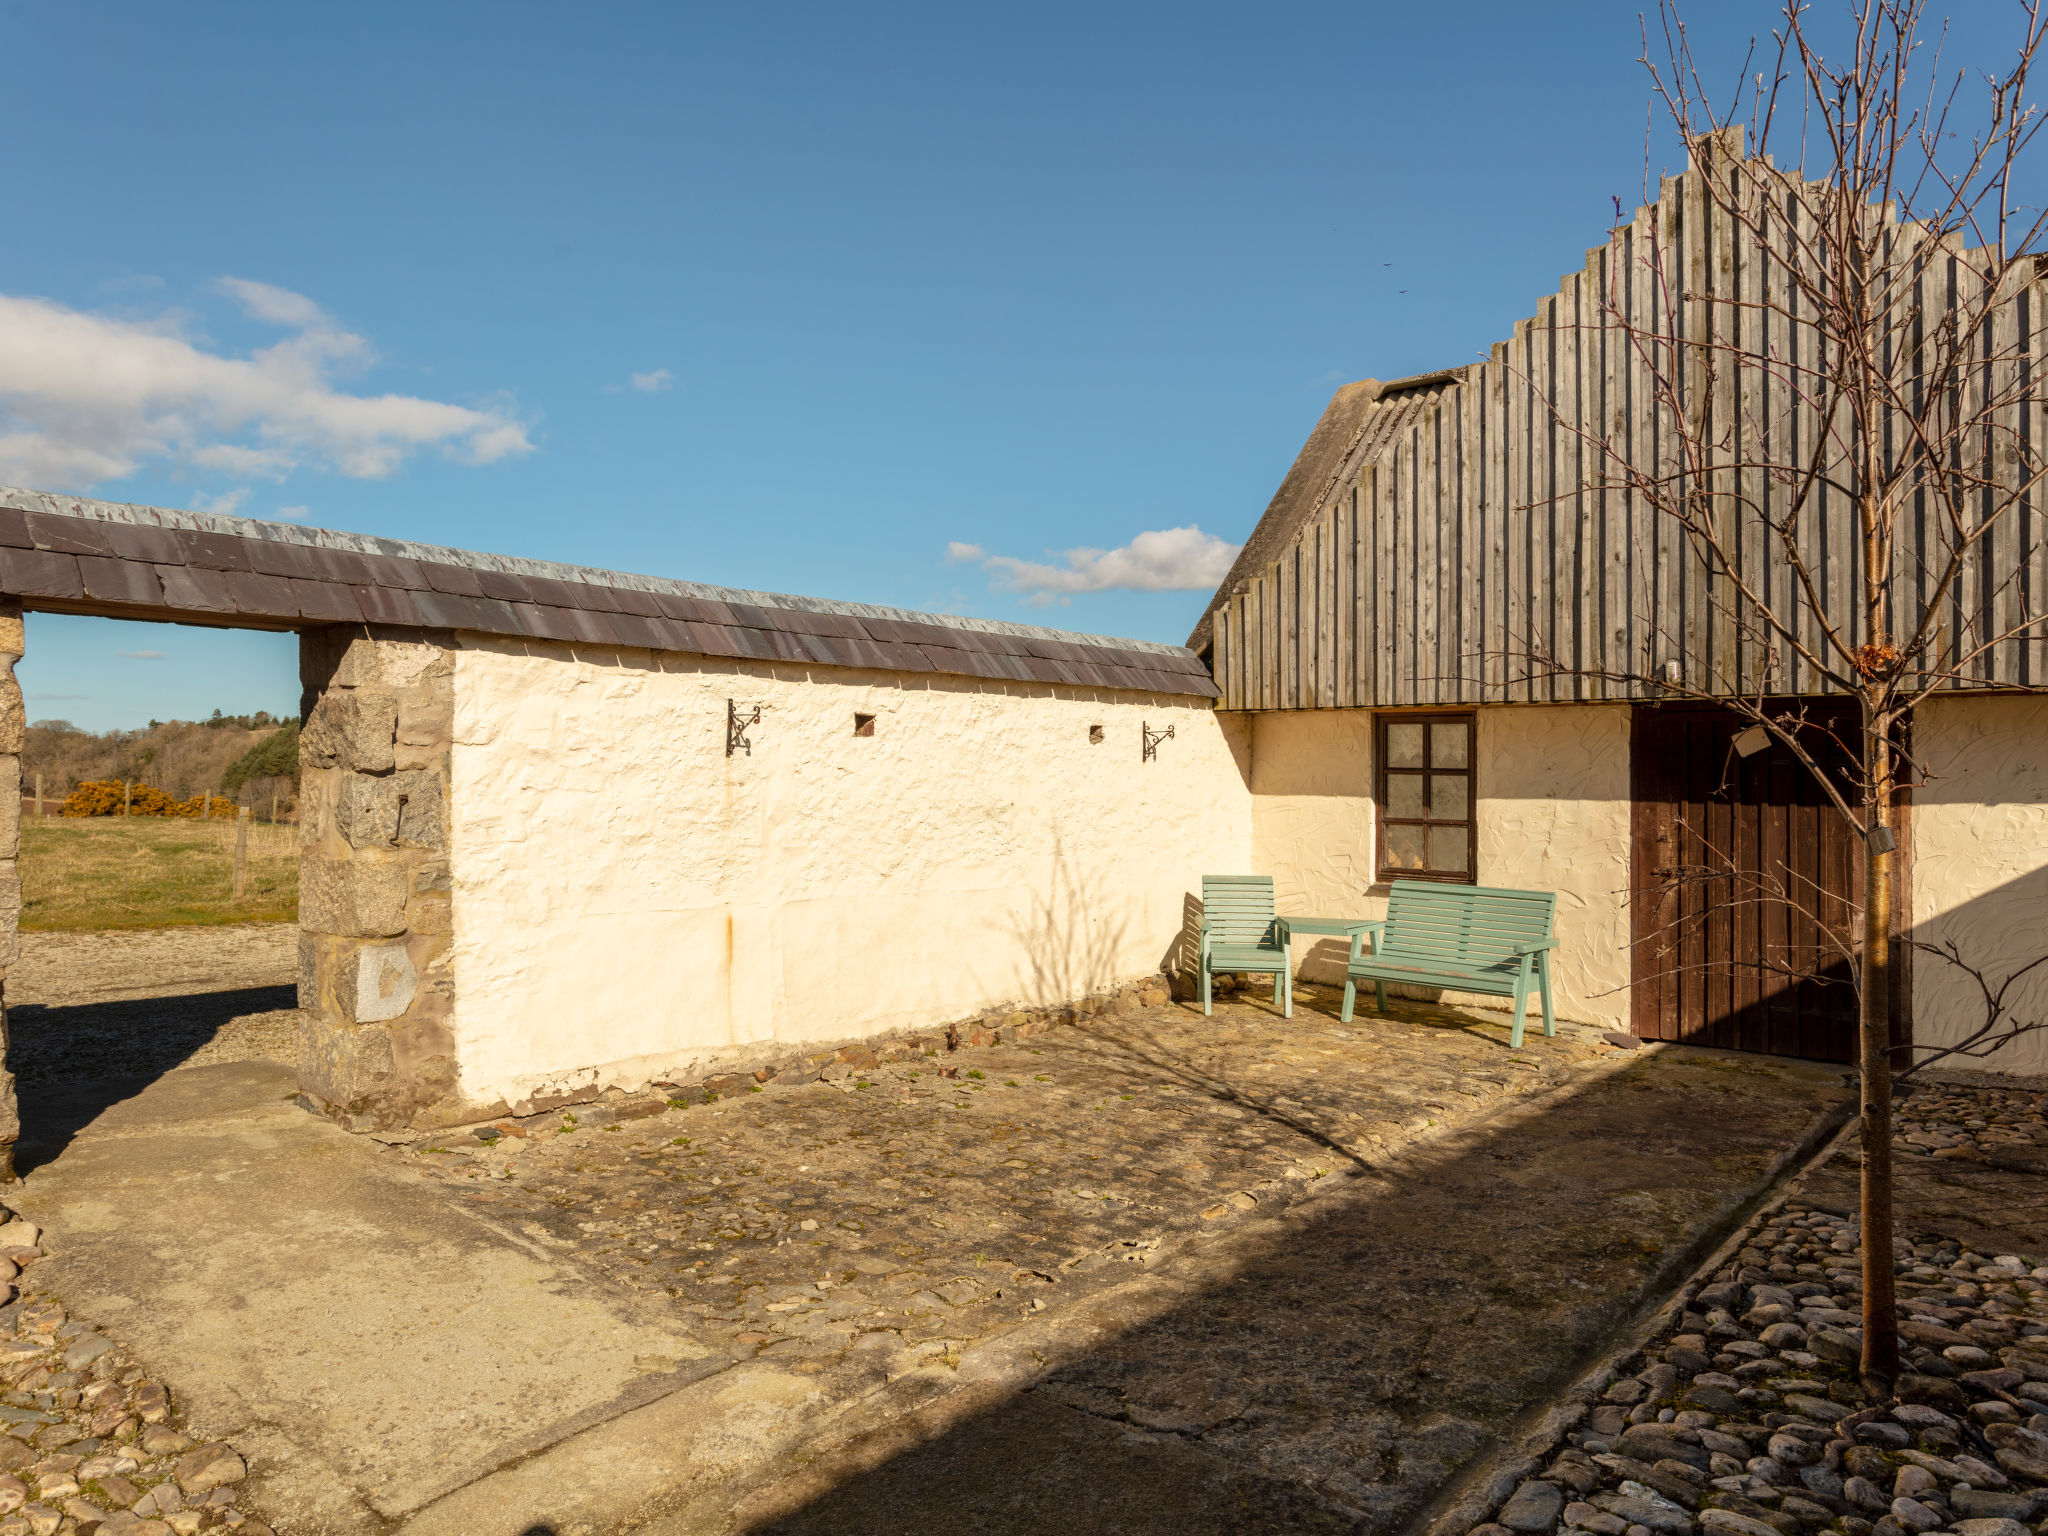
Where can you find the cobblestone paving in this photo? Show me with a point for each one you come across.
(137, 1003)
(937, 1202)
(1747, 1418)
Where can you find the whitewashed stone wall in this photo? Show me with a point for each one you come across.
(1980, 868)
(631, 904)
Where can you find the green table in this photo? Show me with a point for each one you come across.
(1336, 927)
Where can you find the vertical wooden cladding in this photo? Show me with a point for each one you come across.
(1477, 546)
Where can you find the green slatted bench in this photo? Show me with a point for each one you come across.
(1469, 938)
(1240, 933)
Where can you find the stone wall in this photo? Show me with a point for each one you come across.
(376, 991)
(895, 853)
(13, 724)
(1551, 814)
(1979, 881)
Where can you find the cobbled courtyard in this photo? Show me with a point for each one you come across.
(1155, 1271)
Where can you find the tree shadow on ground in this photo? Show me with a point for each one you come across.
(1328, 1369)
(76, 1060)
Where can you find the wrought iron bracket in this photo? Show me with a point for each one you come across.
(736, 726)
(1152, 739)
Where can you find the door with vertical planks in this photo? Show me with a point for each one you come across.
(1742, 880)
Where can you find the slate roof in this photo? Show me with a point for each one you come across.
(63, 554)
(1359, 421)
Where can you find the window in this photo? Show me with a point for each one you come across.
(1425, 798)
(863, 725)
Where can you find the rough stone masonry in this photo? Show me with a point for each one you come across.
(375, 922)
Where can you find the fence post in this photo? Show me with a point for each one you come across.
(126, 789)
(241, 848)
(39, 797)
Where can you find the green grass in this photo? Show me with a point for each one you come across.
(98, 872)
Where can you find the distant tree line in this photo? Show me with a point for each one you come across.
(250, 759)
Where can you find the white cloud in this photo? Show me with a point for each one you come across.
(223, 505)
(86, 398)
(143, 655)
(653, 383)
(293, 514)
(1163, 560)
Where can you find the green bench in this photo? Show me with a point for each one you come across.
(1467, 938)
(1240, 934)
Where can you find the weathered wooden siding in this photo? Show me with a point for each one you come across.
(1476, 545)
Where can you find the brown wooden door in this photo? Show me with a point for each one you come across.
(1740, 867)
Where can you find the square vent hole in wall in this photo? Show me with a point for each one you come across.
(863, 725)
(1095, 735)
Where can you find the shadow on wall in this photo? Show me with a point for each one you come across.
(1068, 950)
(1328, 1370)
(1983, 962)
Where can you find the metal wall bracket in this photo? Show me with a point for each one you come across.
(1152, 739)
(736, 728)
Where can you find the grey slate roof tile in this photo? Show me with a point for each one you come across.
(140, 541)
(327, 601)
(69, 535)
(635, 629)
(265, 596)
(148, 559)
(459, 580)
(196, 588)
(216, 551)
(509, 587)
(120, 581)
(627, 600)
(269, 558)
(387, 605)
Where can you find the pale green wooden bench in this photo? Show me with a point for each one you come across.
(1469, 938)
(1241, 934)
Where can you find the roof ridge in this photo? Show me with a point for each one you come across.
(134, 513)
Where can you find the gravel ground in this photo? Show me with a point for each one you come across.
(135, 1003)
(1748, 1420)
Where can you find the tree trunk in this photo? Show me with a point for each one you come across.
(1880, 1366)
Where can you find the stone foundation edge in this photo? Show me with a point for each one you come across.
(740, 1071)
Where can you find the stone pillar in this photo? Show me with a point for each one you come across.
(13, 734)
(376, 995)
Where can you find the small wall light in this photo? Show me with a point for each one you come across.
(1095, 735)
(863, 725)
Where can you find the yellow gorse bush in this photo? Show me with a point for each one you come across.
(103, 797)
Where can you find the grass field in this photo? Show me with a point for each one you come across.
(143, 872)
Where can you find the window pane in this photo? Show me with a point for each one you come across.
(1404, 847)
(1404, 745)
(1404, 795)
(1447, 745)
(1447, 797)
(1450, 850)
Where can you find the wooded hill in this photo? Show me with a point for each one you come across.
(245, 757)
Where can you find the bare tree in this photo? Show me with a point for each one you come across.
(1850, 445)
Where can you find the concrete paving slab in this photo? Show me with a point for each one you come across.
(372, 1342)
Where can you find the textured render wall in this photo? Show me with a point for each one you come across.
(1312, 822)
(1553, 787)
(633, 905)
(375, 921)
(1553, 814)
(13, 726)
(1980, 866)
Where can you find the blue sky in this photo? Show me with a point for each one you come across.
(795, 297)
